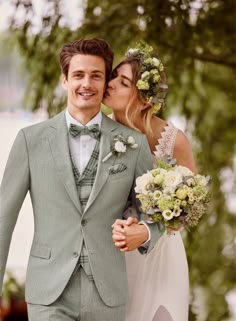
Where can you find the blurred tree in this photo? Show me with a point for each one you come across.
(10, 75)
(197, 42)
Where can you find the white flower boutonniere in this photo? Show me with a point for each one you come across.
(120, 145)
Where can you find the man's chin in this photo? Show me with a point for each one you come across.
(86, 107)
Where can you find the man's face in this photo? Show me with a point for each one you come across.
(85, 83)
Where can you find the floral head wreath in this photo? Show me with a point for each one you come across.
(151, 85)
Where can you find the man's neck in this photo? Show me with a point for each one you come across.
(82, 116)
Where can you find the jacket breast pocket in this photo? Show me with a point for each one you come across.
(40, 251)
(119, 176)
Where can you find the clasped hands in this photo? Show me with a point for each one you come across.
(128, 235)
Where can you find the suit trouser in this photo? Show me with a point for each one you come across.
(80, 301)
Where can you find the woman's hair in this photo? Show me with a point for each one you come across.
(94, 47)
(131, 111)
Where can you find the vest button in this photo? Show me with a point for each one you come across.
(75, 254)
(83, 222)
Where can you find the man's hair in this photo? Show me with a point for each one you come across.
(94, 47)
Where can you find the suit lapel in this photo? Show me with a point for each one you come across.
(108, 128)
(59, 144)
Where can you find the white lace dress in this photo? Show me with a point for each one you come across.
(158, 282)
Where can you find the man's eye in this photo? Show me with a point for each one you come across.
(97, 76)
(77, 75)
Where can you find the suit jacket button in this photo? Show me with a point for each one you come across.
(75, 254)
(83, 222)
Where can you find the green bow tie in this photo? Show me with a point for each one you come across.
(92, 130)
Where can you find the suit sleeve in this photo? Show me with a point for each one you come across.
(14, 187)
(145, 163)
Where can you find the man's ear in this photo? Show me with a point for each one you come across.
(64, 81)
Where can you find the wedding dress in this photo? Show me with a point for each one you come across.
(158, 282)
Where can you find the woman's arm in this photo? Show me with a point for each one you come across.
(183, 152)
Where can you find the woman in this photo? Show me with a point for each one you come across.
(158, 282)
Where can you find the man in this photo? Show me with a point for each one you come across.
(78, 188)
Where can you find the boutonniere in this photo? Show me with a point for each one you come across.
(120, 145)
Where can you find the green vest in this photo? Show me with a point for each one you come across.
(84, 184)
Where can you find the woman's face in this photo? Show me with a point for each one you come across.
(120, 89)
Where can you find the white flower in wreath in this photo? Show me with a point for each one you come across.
(132, 51)
(156, 62)
(145, 75)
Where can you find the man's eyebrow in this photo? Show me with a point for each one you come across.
(82, 71)
(97, 71)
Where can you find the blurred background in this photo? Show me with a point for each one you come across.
(196, 41)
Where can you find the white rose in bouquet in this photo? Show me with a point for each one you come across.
(184, 171)
(172, 179)
(143, 182)
(201, 180)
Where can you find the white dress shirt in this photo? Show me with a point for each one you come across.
(82, 146)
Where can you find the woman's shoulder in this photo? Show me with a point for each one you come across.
(171, 132)
(181, 141)
(162, 126)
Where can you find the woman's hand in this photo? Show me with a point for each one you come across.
(128, 235)
(176, 229)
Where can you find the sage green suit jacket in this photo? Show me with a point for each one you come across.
(40, 163)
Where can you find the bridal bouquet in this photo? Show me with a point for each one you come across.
(173, 194)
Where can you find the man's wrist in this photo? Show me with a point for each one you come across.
(148, 232)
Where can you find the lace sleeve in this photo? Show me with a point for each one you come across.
(165, 144)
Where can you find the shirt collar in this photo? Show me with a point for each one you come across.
(95, 120)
